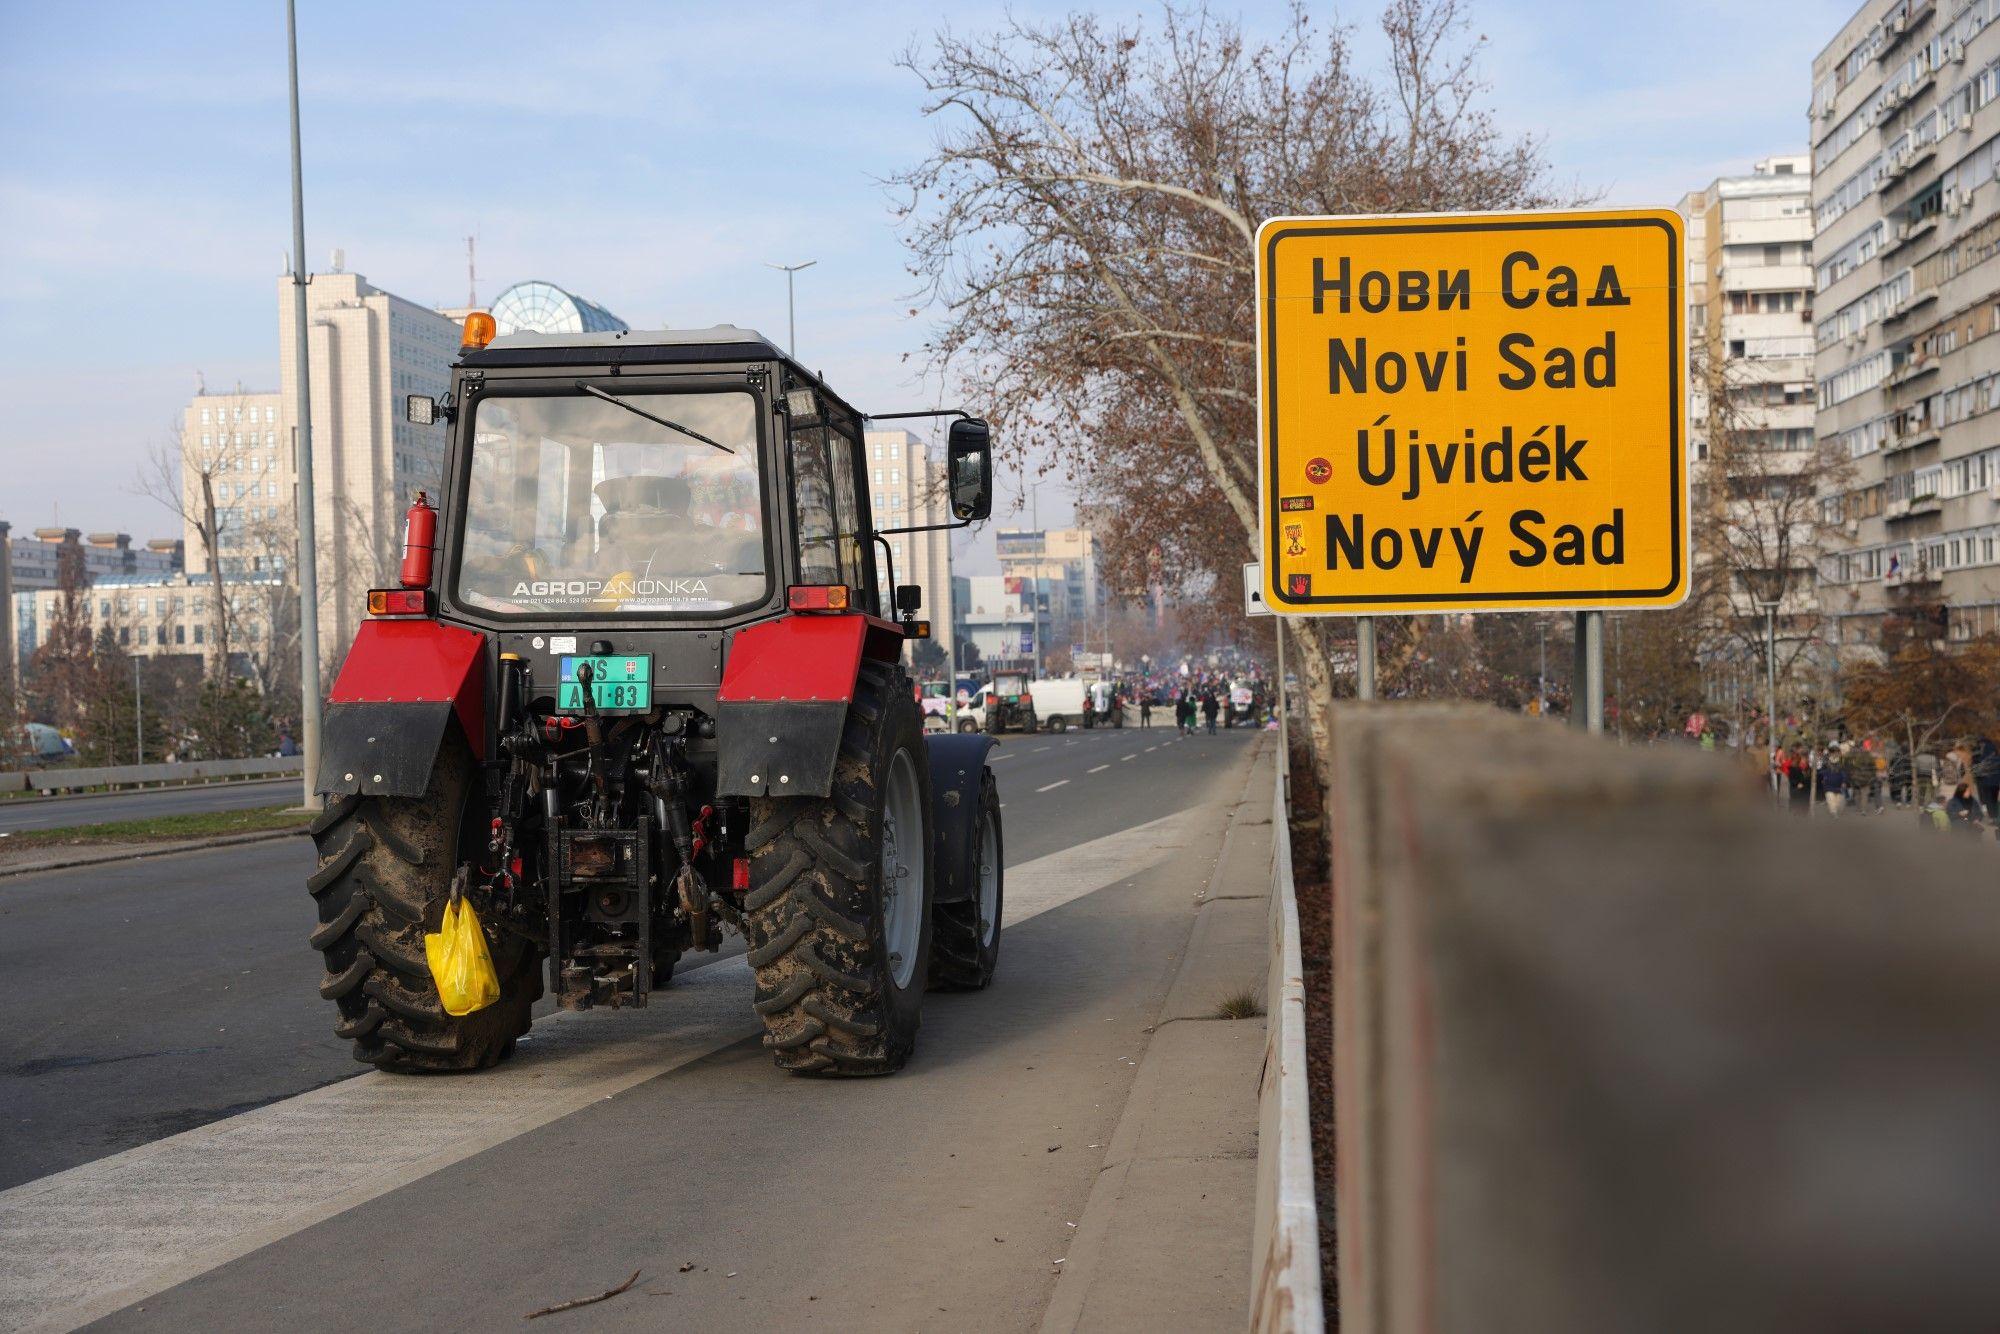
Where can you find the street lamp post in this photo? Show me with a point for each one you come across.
(1769, 592)
(791, 308)
(302, 449)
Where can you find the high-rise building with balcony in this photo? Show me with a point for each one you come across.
(1750, 314)
(1906, 211)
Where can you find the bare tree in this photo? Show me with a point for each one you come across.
(1085, 222)
(191, 476)
(1759, 519)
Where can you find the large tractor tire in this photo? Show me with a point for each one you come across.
(384, 876)
(839, 906)
(965, 947)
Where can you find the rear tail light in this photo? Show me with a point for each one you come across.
(399, 602)
(817, 597)
(739, 875)
(991, 700)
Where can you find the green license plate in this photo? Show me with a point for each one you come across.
(620, 683)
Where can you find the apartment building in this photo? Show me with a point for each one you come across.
(906, 489)
(33, 564)
(1750, 328)
(1906, 213)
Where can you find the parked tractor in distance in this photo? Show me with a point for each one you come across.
(1010, 705)
(638, 685)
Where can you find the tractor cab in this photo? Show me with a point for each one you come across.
(638, 647)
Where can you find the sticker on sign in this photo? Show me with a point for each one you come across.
(1479, 412)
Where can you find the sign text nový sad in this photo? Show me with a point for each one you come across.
(1472, 411)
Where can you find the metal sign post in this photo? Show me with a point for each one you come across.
(1364, 657)
(1586, 709)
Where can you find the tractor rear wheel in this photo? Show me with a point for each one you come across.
(384, 875)
(838, 913)
(966, 946)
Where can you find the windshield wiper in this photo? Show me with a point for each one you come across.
(638, 411)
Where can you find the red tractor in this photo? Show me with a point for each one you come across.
(639, 684)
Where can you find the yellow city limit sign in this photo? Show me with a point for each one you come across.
(1475, 411)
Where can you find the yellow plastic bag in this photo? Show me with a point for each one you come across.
(460, 964)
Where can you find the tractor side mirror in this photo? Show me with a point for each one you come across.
(909, 597)
(969, 460)
(420, 409)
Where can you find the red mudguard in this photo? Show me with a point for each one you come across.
(813, 657)
(784, 697)
(393, 703)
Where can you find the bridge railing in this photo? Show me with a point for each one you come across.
(1616, 1046)
(139, 775)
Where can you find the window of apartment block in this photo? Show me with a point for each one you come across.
(180, 634)
(1774, 254)
(199, 634)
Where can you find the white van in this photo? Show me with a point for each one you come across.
(1059, 702)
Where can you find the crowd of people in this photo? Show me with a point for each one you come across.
(1959, 789)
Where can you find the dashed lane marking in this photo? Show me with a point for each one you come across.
(1098, 770)
(91, 1240)
(1151, 749)
(1053, 786)
(1133, 756)
(1038, 750)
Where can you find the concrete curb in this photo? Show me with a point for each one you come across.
(1284, 1280)
(1091, 1263)
(132, 852)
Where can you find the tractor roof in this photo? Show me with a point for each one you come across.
(638, 347)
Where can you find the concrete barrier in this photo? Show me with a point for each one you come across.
(1618, 1047)
(138, 775)
(1284, 1274)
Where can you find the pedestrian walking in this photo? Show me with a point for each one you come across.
(1986, 776)
(1209, 708)
(1146, 710)
(1833, 782)
(1799, 775)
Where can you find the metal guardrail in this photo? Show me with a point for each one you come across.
(138, 775)
(1285, 1289)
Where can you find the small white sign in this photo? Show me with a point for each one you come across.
(562, 643)
(1253, 590)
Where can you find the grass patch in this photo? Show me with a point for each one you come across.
(1239, 1005)
(164, 828)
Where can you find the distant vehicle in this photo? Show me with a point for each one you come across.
(43, 747)
(935, 699)
(1242, 705)
(1059, 702)
(1009, 704)
(1103, 709)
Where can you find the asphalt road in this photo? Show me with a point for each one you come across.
(63, 812)
(154, 997)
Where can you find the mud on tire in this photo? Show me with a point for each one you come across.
(384, 873)
(833, 999)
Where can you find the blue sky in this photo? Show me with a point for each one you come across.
(652, 157)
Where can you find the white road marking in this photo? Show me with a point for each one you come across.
(1053, 786)
(1151, 749)
(1039, 749)
(1133, 756)
(995, 759)
(1098, 770)
(85, 1242)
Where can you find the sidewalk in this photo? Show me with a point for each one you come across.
(1165, 1240)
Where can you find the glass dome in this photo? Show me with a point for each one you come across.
(539, 307)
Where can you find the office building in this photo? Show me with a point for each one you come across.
(906, 489)
(1064, 564)
(29, 565)
(1906, 133)
(368, 349)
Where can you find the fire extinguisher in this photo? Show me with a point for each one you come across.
(419, 541)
